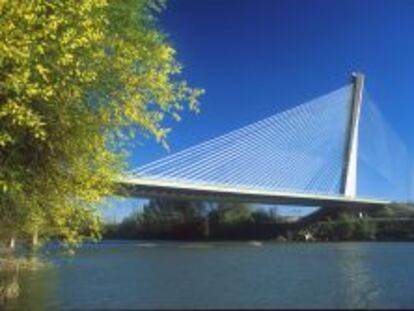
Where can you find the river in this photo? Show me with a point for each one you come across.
(142, 274)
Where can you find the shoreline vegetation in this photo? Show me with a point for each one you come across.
(201, 221)
(17, 263)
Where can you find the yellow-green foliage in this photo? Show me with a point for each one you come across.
(75, 77)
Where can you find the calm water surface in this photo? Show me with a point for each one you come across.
(223, 275)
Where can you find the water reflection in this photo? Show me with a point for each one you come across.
(36, 290)
(9, 287)
(354, 265)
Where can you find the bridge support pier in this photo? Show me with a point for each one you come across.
(348, 185)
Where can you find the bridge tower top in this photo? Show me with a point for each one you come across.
(348, 185)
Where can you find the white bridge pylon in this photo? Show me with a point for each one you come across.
(306, 156)
(349, 177)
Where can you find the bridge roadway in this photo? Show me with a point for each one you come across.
(155, 188)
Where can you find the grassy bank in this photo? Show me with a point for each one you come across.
(12, 263)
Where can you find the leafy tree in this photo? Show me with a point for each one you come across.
(130, 226)
(78, 81)
(261, 216)
(231, 213)
(345, 226)
(365, 229)
(178, 211)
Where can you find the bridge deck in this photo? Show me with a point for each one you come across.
(150, 188)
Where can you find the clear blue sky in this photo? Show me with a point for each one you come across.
(254, 57)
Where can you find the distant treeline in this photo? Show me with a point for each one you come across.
(186, 220)
(391, 223)
(189, 220)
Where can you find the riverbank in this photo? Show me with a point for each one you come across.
(196, 221)
(346, 228)
(12, 263)
(11, 266)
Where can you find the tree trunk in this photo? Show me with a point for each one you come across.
(12, 243)
(35, 239)
(206, 228)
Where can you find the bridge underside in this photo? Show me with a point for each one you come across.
(149, 188)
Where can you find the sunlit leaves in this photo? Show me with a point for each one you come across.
(77, 80)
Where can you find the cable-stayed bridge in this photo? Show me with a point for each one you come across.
(334, 151)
